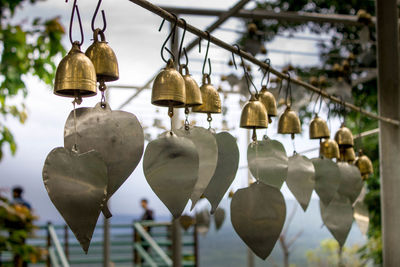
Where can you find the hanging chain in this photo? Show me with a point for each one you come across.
(102, 88)
(294, 145)
(209, 119)
(171, 114)
(187, 125)
(77, 100)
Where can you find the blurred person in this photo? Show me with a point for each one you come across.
(148, 214)
(17, 192)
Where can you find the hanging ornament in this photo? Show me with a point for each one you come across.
(258, 213)
(225, 172)
(318, 128)
(329, 149)
(301, 179)
(351, 181)
(116, 135)
(254, 115)
(347, 155)
(186, 222)
(327, 179)
(361, 213)
(364, 164)
(219, 218)
(266, 97)
(344, 137)
(203, 222)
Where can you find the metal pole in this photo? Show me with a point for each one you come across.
(48, 244)
(389, 137)
(168, 16)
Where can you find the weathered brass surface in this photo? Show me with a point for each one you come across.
(186, 221)
(193, 93)
(207, 148)
(203, 222)
(268, 99)
(318, 128)
(258, 213)
(301, 179)
(170, 165)
(254, 115)
(103, 58)
(351, 181)
(225, 172)
(338, 217)
(364, 164)
(329, 149)
(344, 137)
(116, 135)
(347, 155)
(75, 75)
(327, 179)
(289, 122)
(268, 162)
(219, 218)
(210, 97)
(169, 88)
(77, 186)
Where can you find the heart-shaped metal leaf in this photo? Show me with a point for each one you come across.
(338, 217)
(301, 179)
(170, 165)
(206, 146)
(268, 162)
(361, 216)
(116, 135)
(327, 179)
(203, 221)
(77, 186)
(351, 181)
(258, 213)
(186, 221)
(228, 162)
(219, 218)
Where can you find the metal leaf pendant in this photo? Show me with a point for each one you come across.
(258, 213)
(268, 162)
(301, 179)
(219, 218)
(203, 221)
(351, 181)
(77, 186)
(116, 135)
(206, 146)
(361, 216)
(338, 217)
(327, 179)
(170, 165)
(225, 173)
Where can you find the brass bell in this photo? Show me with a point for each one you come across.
(347, 155)
(210, 97)
(329, 149)
(318, 128)
(254, 115)
(289, 122)
(344, 137)
(268, 99)
(193, 93)
(364, 164)
(103, 58)
(169, 88)
(75, 75)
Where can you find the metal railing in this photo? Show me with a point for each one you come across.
(56, 253)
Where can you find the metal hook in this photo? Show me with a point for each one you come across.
(181, 45)
(266, 73)
(172, 33)
(102, 15)
(75, 7)
(206, 56)
(246, 74)
(288, 91)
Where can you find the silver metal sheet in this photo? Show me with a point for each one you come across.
(351, 181)
(338, 217)
(225, 173)
(206, 146)
(268, 162)
(170, 165)
(219, 218)
(301, 179)
(327, 179)
(361, 216)
(203, 222)
(116, 135)
(77, 186)
(258, 213)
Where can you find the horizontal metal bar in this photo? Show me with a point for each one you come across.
(168, 16)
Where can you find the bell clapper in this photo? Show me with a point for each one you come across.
(171, 114)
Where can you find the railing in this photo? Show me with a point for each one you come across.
(56, 253)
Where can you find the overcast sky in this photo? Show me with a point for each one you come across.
(133, 34)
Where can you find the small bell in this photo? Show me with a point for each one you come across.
(169, 88)
(364, 164)
(268, 99)
(344, 137)
(347, 155)
(75, 75)
(289, 122)
(103, 58)
(193, 93)
(329, 149)
(254, 115)
(210, 97)
(318, 128)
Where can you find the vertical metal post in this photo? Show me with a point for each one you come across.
(250, 254)
(136, 239)
(66, 244)
(196, 246)
(48, 263)
(389, 137)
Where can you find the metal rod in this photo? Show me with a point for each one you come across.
(168, 16)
